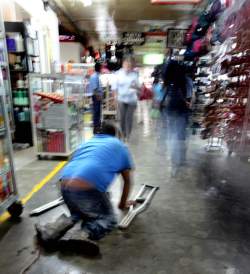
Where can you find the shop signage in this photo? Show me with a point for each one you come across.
(133, 38)
(67, 38)
(175, 2)
(175, 38)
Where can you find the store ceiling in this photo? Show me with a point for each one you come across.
(105, 20)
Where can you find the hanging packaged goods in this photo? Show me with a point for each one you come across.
(175, 2)
(223, 82)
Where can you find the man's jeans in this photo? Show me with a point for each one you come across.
(94, 208)
(97, 105)
(176, 136)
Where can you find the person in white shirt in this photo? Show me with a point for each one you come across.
(126, 86)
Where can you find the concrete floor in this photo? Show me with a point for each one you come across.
(198, 223)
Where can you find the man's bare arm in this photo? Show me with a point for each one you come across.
(126, 175)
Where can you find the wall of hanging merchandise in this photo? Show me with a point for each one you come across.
(227, 111)
(24, 58)
(201, 83)
(58, 108)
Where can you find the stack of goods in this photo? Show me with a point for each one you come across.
(202, 82)
(5, 174)
(199, 35)
(109, 102)
(53, 120)
(53, 117)
(51, 141)
(228, 113)
(57, 98)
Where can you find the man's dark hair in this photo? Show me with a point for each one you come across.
(108, 128)
(98, 67)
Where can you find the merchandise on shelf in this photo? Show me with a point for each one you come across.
(24, 57)
(52, 96)
(228, 107)
(8, 191)
(51, 141)
(58, 107)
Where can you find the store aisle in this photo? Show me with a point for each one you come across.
(198, 222)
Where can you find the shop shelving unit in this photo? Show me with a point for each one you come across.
(22, 62)
(57, 113)
(8, 190)
(109, 107)
(4, 64)
(109, 104)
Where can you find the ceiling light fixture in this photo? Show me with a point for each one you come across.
(87, 3)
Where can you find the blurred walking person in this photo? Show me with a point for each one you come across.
(144, 101)
(158, 117)
(126, 87)
(176, 105)
(96, 90)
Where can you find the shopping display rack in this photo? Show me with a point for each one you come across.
(109, 108)
(143, 200)
(8, 191)
(58, 106)
(215, 144)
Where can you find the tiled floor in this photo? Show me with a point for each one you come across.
(198, 223)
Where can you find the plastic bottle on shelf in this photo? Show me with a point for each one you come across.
(19, 98)
(16, 111)
(15, 99)
(24, 98)
(27, 113)
(21, 116)
(19, 42)
(11, 43)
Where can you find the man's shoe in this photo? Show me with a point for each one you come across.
(76, 240)
(51, 232)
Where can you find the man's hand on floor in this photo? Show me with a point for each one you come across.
(126, 205)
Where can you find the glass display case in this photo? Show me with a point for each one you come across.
(57, 113)
(4, 65)
(8, 190)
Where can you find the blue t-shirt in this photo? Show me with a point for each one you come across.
(98, 161)
(95, 85)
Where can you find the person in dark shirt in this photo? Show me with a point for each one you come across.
(176, 105)
(96, 90)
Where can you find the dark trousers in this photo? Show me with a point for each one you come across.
(97, 105)
(176, 136)
(126, 118)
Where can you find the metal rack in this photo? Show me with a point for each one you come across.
(109, 108)
(57, 113)
(8, 190)
(4, 66)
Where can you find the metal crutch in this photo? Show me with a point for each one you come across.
(40, 210)
(145, 203)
